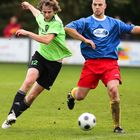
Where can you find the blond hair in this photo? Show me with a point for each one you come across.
(51, 3)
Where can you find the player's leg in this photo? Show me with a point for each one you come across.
(113, 92)
(18, 101)
(111, 79)
(77, 93)
(88, 80)
(34, 92)
(35, 69)
(29, 98)
(31, 77)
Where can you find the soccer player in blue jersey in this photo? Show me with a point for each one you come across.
(100, 36)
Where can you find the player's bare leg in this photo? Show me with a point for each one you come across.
(34, 92)
(77, 93)
(115, 104)
(32, 75)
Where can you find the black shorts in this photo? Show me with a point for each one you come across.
(48, 70)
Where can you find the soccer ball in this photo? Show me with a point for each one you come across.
(86, 121)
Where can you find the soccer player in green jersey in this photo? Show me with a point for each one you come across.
(47, 60)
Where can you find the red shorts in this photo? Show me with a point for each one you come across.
(99, 69)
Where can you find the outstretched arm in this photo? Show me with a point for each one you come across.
(46, 39)
(27, 6)
(136, 30)
(74, 34)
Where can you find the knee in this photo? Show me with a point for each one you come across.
(80, 96)
(113, 91)
(28, 82)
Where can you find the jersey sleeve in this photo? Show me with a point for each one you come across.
(125, 28)
(78, 25)
(40, 20)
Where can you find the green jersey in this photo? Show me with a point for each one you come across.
(56, 49)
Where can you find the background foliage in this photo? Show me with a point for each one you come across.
(128, 10)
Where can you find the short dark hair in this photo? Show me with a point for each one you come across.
(52, 3)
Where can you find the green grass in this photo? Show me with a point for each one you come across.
(49, 119)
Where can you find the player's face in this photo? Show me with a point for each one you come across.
(48, 12)
(98, 7)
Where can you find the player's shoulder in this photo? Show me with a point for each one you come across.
(110, 18)
(57, 19)
(88, 19)
(84, 19)
(113, 19)
(56, 22)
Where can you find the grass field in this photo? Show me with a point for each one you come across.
(49, 119)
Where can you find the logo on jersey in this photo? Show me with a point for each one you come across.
(34, 62)
(100, 32)
(46, 28)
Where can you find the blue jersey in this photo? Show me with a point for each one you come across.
(105, 33)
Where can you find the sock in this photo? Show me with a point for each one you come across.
(16, 102)
(73, 92)
(115, 110)
(23, 106)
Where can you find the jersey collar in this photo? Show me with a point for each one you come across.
(98, 18)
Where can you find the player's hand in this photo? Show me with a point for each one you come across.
(21, 32)
(90, 42)
(25, 5)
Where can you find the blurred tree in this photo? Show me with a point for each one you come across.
(71, 10)
(74, 9)
(9, 8)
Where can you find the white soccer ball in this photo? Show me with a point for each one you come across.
(86, 121)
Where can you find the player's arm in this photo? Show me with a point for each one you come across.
(27, 6)
(46, 39)
(136, 30)
(74, 34)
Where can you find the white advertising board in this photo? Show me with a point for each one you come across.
(129, 54)
(17, 50)
(14, 50)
